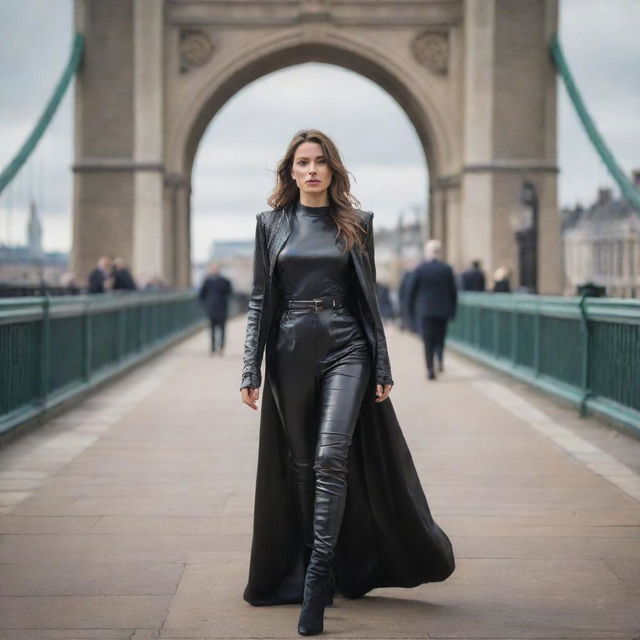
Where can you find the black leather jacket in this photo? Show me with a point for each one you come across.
(272, 231)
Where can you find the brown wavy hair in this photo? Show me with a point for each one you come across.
(342, 203)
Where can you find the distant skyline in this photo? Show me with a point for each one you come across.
(234, 166)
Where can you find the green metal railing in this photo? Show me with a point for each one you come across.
(53, 348)
(586, 350)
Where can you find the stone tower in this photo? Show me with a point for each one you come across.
(474, 77)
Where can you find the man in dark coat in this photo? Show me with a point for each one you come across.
(384, 301)
(214, 295)
(122, 278)
(433, 298)
(407, 321)
(501, 280)
(100, 277)
(473, 279)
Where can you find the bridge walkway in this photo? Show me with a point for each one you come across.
(129, 515)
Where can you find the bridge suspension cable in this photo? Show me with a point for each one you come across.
(623, 181)
(41, 126)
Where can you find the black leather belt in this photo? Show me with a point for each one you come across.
(316, 304)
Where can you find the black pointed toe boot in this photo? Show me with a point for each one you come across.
(330, 494)
(316, 591)
(331, 588)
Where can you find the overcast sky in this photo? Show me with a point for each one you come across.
(235, 162)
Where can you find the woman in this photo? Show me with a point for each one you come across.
(338, 503)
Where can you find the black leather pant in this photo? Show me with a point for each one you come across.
(319, 372)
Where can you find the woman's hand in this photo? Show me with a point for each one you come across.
(382, 392)
(250, 396)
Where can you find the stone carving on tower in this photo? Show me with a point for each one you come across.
(431, 50)
(196, 49)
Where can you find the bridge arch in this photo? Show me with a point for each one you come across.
(215, 90)
(475, 80)
(216, 85)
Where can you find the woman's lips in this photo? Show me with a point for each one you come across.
(313, 181)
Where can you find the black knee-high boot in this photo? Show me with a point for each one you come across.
(304, 477)
(331, 590)
(330, 497)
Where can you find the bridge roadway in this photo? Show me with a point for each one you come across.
(129, 516)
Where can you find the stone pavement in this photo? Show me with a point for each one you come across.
(129, 516)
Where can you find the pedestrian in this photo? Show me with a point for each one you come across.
(100, 279)
(473, 279)
(501, 279)
(122, 278)
(433, 299)
(338, 505)
(68, 284)
(214, 295)
(384, 302)
(155, 284)
(407, 321)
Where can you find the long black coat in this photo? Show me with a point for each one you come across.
(408, 320)
(388, 536)
(97, 279)
(122, 279)
(433, 291)
(473, 280)
(214, 295)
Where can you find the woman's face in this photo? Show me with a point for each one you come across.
(310, 169)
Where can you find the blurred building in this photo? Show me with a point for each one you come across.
(602, 245)
(29, 264)
(395, 247)
(236, 260)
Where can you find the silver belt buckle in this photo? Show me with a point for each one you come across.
(315, 304)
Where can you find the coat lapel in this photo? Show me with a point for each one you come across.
(279, 232)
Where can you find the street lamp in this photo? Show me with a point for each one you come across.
(523, 219)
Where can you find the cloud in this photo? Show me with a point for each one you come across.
(34, 48)
(600, 41)
(239, 152)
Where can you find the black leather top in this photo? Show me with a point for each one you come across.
(311, 264)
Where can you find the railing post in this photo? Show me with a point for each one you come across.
(584, 330)
(536, 340)
(120, 329)
(514, 335)
(45, 347)
(86, 340)
(140, 325)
